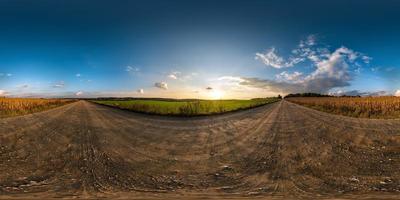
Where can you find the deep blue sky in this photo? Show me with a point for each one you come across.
(179, 48)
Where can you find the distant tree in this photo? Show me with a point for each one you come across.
(279, 96)
(309, 94)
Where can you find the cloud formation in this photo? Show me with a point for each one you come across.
(161, 85)
(174, 75)
(60, 84)
(305, 50)
(79, 93)
(270, 58)
(331, 69)
(131, 69)
(292, 77)
(397, 93)
(3, 93)
(177, 75)
(140, 91)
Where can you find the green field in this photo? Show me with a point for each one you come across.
(187, 107)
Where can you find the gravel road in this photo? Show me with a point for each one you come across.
(281, 150)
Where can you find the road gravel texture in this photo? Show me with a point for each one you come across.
(277, 151)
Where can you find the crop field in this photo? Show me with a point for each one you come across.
(363, 107)
(186, 108)
(20, 106)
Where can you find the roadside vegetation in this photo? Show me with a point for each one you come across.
(21, 106)
(363, 107)
(186, 107)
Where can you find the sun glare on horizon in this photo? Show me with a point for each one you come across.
(216, 94)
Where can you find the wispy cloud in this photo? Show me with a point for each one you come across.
(270, 58)
(307, 49)
(79, 93)
(366, 59)
(300, 54)
(78, 75)
(140, 91)
(177, 75)
(161, 85)
(291, 77)
(132, 69)
(60, 84)
(174, 75)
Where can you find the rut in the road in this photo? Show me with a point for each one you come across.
(281, 149)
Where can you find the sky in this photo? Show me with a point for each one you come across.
(198, 49)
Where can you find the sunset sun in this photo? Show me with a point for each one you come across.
(216, 94)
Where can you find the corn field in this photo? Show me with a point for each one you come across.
(363, 107)
(20, 106)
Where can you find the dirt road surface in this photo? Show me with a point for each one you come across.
(281, 150)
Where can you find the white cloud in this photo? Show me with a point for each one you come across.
(79, 93)
(307, 50)
(78, 75)
(231, 78)
(172, 76)
(270, 58)
(336, 66)
(3, 93)
(332, 70)
(291, 77)
(140, 91)
(132, 69)
(397, 93)
(366, 59)
(310, 41)
(8, 75)
(161, 85)
(176, 75)
(60, 84)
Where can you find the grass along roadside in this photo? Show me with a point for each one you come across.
(361, 107)
(10, 107)
(186, 108)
